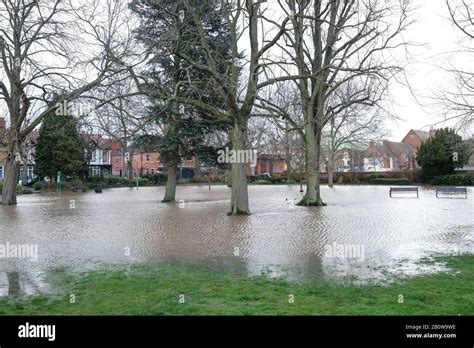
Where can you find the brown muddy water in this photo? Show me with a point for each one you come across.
(362, 235)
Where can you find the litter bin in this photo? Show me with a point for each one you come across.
(98, 188)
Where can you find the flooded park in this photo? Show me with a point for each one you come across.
(389, 236)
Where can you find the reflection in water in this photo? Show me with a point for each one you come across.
(278, 239)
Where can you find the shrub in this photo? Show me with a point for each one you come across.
(217, 179)
(40, 186)
(390, 181)
(374, 176)
(453, 180)
(156, 178)
(442, 154)
(276, 180)
(143, 182)
(72, 183)
(191, 181)
(263, 182)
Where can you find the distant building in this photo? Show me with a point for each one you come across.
(389, 156)
(415, 138)
(267, 163)
(394, 156)
(27, 164)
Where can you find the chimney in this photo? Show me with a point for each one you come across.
(432, 132)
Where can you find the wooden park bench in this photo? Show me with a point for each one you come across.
(404, 189)
(451, 191)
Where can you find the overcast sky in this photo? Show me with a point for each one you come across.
(434, 28)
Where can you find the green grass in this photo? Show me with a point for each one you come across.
(155, 290)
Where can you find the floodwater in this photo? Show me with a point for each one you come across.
(362, 235)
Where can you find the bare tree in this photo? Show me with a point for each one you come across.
(333, 42)
(351, 124)
(281, 101)
(52, 48)
(237, 81)
(122, 115)
(457, 101)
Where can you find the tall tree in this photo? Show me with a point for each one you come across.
(238, 80)
(59, 147)
(42, 52)
(168, 34)
(456, 101)
(333, 42)
(351, 125)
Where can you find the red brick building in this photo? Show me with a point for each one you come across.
(268, 164)
(390, 156)
(414, 138)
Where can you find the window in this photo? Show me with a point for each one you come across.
(1, 172)
(148, 157)
(95, 171)
(105, 156)
(152, 171)
(31, 172)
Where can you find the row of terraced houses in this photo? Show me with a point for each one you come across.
(107, 158)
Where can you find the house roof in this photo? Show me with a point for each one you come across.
(382, 148)
(401, 147)
(422, 134)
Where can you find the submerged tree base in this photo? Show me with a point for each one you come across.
(9, 203)
(168, 200)
(238, 212)
(310, 202)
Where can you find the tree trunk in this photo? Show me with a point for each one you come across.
(289, 169)
(313, 144)
(130, 169)
(331, 167)
(239, 204)
(197, 169)
(170, 193)
(12, 170)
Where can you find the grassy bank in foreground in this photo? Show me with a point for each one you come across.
(153, 290)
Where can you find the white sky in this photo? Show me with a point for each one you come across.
(434, 29)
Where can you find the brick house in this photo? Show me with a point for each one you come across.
(414, 138)
(389, 156)
(268, 164)
(28, 154)
(99, 152)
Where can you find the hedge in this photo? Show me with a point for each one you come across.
(390, 181)
(453, 180)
